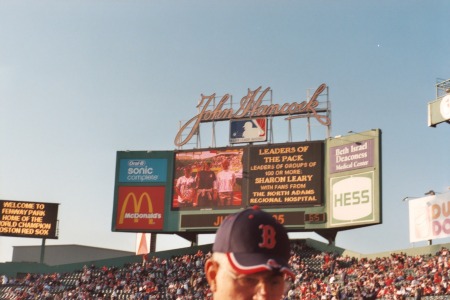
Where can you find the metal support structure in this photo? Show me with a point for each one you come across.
(190, 236)
(289, 130)
(213, 137)
(328, 112)
(329, 235)
(325, 94)
(308, 126)
(270, 137)
(270, 130)
(153, 237)
(41, 260)
(197, 142)
(441, 87)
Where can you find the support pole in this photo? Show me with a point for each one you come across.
(42, 252)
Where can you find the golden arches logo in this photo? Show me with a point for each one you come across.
(137, 206)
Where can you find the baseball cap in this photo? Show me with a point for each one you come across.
(254, 241)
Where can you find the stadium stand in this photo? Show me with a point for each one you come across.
(319, 275)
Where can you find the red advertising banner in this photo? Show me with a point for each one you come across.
(140, 208)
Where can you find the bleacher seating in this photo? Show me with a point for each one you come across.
(319, 275)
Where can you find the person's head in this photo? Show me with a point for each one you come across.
(187, 170)
(225, 164)
(206, 165)
(250, 257)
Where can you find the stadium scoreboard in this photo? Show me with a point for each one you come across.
(307, 186)
(28, 219)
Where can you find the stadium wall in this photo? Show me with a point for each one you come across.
(16, 269)
(64, 254)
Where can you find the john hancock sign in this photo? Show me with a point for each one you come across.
(251, 106)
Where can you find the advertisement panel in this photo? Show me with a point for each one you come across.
(354, 179)
(143, 183)
(28, 219)
(143, 170)
(429, 218)
(439, 111)
(352, 200)
(255, 105)
(248, 130)
(141, 208)
(352, 156)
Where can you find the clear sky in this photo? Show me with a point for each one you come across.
(81, 80)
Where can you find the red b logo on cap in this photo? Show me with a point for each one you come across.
(268, 236)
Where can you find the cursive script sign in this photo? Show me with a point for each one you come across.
(251, 106)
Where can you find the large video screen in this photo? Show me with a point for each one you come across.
(208, 179)
(276, 175)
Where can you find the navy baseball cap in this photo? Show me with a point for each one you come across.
(254, 241)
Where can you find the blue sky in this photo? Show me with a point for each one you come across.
(80, 80)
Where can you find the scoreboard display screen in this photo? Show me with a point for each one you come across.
(286, 175)
(28, 219)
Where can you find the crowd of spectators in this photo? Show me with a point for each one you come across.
(319, 275)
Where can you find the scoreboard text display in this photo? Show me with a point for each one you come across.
(286, 175)
(28, 219)
(306, 186)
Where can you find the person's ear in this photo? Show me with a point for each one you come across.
(211, 268)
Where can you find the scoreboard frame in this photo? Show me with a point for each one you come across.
(315, 170)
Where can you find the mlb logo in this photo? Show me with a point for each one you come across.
(248, 130)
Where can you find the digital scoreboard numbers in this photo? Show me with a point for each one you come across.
(28, 219)
(213, 221)
(286, 174)
(315, 218)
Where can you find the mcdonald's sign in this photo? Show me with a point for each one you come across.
(140, 208)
